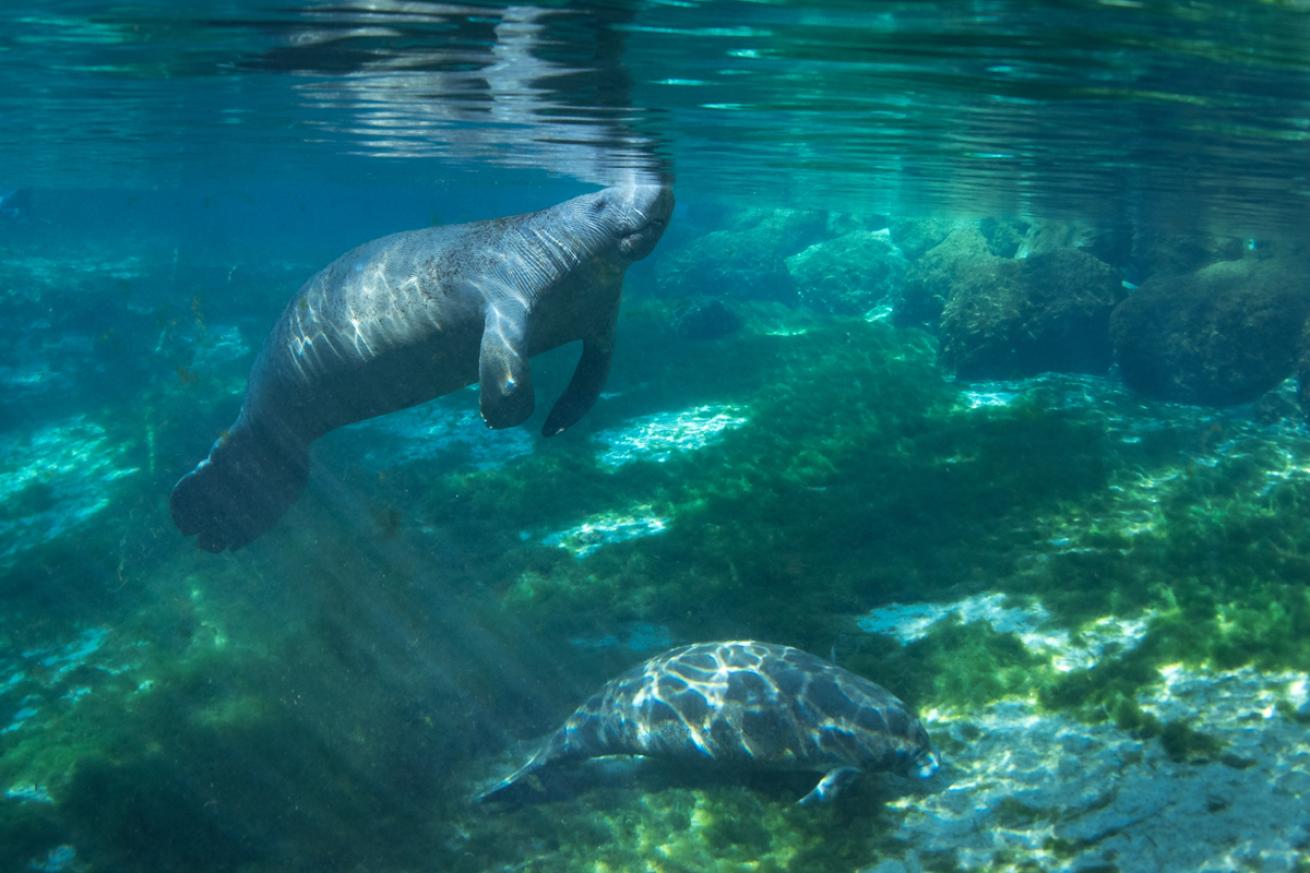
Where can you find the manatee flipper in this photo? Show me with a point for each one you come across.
(504, 380)
(830, 785)
(585, 386)
(245, 485)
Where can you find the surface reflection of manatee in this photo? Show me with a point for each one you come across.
(440, 80)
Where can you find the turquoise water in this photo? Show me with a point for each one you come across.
(971, 360)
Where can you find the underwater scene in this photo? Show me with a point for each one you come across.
(654, 435)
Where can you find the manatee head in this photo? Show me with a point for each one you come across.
(919, 760)
(924, 764)
(634, 215)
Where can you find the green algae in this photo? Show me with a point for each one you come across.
(26, 831)
(1182, 742)
(668, 827)
(326, 666)
(957, 664)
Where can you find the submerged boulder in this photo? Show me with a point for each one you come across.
(1223, 334)
(705, 319)
(1004, 236)
(746, 260)
(916, 237)
(848, 275)
(1158, 254)
(1303, 371)
(1111, 244)
(1047, 312)
(960, 261)
(842, 223)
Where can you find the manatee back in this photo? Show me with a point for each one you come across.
(748, 703)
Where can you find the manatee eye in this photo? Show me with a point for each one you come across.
(598, 205)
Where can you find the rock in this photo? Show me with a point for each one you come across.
(1223, 334)
(1040, 787)
(891, 865)
(1156, 255)
(917, 236)
(961, 260)
(1303, 381)
(745, 260)
(1113, 245)
(1047, 236)
(705, 319)
(848, 275)
(1003, 236)
(842, 223)
(1047, 312)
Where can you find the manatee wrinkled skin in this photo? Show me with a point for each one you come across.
(745, 704)
(413, 316)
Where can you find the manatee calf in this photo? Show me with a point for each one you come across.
(412, 316)
(747, 704)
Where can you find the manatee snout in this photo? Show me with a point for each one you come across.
(640, 213)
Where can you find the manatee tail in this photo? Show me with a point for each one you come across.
(560, 748)
(512, 785)
(245, 485)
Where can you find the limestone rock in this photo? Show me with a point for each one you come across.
(1303, 371)
(960, 261)
(1223, 334)
(1113, 245)
(1156, 255)
(1003, 236)
(848, 275)
(705, 319)
(917, 236)
(1027, 789)
(1047, 312)
(842, 223)
(746, 260)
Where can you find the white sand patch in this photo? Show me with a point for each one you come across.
(56, 478)
(881, 312)
(974, 399)
(1023, 787)
(222, 344)
(1067, 650)
(605, 529)
(28, 792)
(436, 430)
(660, 436)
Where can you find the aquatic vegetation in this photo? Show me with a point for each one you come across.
(1068, 651)
(657, 437)
(57, 479)
(1046, 568)
(449, 434)
(585, 538)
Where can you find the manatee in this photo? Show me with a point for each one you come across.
(413, 316)
(748, 704)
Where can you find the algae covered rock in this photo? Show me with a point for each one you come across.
(1158, 254)
(960, 261)
(917, 236)
(705, 319)
(842, 223)
(1047, 312)
(746, 260)
(1223, 334)
(1110, 244)
(1004, 236)
(848, 275)
(1303, 371)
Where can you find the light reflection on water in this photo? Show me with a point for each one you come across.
(1138, 112)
